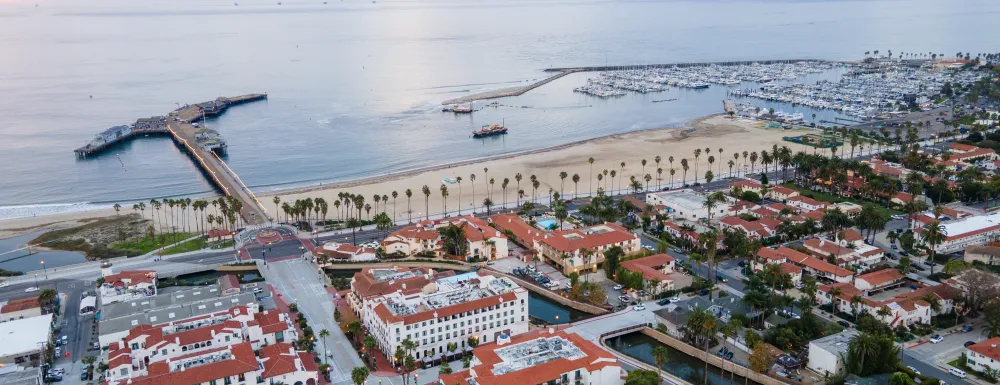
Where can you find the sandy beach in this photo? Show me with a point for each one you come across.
(713, 132)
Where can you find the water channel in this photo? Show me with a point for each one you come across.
(640, 347)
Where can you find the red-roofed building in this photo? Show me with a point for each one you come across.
(482, 241)
(282, 363)
(654, 267)
(678, 232)
(752, 229)
(984, 355)
(336, 251)
(781, 193)
(595, 239)
(20, 308)
(805, 203)
(961, 148)
(147, 345)
(903, 309)
(901, 198)
(878, 280)
(746, 185)
(975, 155)
(445, 310)
(555, 357)
(234, 364)
(814, 266)
(127, 285)
(524, 234)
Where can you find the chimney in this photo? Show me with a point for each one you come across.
(177, 340)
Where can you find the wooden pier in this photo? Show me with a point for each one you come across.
(183, 127)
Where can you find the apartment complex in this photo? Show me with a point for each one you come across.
(544, 356)
(904, 309)
(792, 260)
(582, 250)
(434, 311)
(232, 364)
(482, 241)
(962, 233)
(658, 267)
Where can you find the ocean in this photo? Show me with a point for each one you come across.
(355, 86)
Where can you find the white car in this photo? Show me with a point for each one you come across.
(619, 287)
(639, 307)
(675, 299)
(258, 290)
(31, 290)
(936, 338)
(913, 369)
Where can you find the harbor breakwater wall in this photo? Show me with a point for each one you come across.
(693, 64)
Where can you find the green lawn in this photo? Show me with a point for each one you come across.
(192, 245)
(144, 245)
(830, 198)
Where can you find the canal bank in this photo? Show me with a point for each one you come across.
(686, 362)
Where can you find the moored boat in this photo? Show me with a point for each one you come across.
(489, 130)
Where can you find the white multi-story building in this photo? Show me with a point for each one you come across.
(903, 309)
(149, 344)
(127, 285)
(544, 356)
(855, 254)
(971, 231)
(232, 364)
(582, 250)
(446, 310)
(687, 204)
(482, 241)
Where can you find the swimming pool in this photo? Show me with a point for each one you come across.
(546, 224)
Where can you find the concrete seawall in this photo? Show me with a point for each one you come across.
(698, 64)
(505, 92)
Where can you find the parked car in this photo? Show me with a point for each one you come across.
(969, 343)
(929, 263)
(31, 289)
(720, 278)
(83, 376)
(966, 328)
(894, 247)
(903, 253)
(913, 369)
(936, 338)
(703, 292)
(624, 299)
(639, 307)
(663, 302)
(618, 287)
(844, 323)
(675, 299)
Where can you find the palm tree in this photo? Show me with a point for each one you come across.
(933, 234)
(503, 187)
(472, 181)
(322, 335)
(720, 160)
(46, 296)
(562, 181)
(359, 375)
(487, 203)
(427, 196)
(661, 356)
(622, 173)
(697, 154)
(591, 188)
(444, 199)
(409, 213)
(684, 166)
(576, 185)
(486, 175)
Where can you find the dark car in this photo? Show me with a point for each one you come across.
(844, 324)
(83, 376)
(969, 343)
(966, 328)
(703, 292)
(663, 302)
(742, 264)
(929, 263)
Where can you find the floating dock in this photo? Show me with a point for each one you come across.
(201, 143)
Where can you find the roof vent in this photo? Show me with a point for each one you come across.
(503, 339)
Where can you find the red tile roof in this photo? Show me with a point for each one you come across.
(881, 277)
(745, 184)
(852, 235)
(242, 361)
(20, 304)
(798, 258)
(903, 197)
(270, 322)
(132, 276)
(278, 359)
(229, 281)
(524, 232)
(569, 241)
(650, 266)
(962, 147)
(989, 348)
(823, 248)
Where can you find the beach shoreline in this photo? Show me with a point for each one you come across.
(712, 131)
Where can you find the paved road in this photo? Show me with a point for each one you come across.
(300, 283)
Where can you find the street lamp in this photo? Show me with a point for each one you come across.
(44, 270)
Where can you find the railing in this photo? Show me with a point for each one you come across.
(624, 330)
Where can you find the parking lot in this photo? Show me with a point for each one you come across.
(948, 349)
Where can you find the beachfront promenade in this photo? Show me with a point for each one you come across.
(181, 125)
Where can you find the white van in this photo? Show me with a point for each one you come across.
(957, 373)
